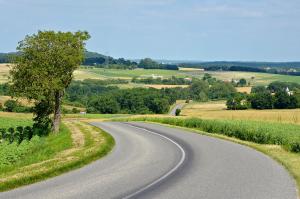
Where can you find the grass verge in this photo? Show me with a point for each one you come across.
(86, 144)
(290, 160)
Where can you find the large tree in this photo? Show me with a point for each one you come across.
(45, 68)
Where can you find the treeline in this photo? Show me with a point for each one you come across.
(242, 64)
(170, 81)
(148, 63)
(109, 99)
(278, 95)
(283, 70)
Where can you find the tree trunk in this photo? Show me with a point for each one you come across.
(57, 111)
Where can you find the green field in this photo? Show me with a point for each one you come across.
(253, 78)
(259, 78)
(101, 73)
(6, 122)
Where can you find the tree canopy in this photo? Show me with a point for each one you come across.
(45, 67)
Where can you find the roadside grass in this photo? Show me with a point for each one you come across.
(290, 160)
(77, 145)
(217, 110)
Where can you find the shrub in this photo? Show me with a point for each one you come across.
(177, 112)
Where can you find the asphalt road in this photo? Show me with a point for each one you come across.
(152, 161)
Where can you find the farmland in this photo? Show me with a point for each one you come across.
(7, 122)
(101, 73)
(217, 110)
(4, 70)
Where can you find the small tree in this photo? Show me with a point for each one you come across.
(242, 82)
(45, 68)
(177, 112)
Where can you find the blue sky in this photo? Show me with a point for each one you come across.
(247, 30)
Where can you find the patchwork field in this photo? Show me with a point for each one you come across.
(101, 73)
(217, 110)
(254, 78)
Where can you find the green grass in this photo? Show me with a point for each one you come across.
(30, 152)
(286, 135)
(56, 155)
(14, 122)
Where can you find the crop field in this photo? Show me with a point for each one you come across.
(244, 89)
(217, 110)
(125, 74)
(255, 78)
(160, 86)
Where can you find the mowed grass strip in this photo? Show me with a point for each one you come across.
(73, 153)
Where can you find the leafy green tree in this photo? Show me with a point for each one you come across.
(45, 67)
(242, 82)
(221, 90)
(238, 102)
(199, 90)
(177, 112)
(104, 104)
(263, 100)
(11, 105)
(148, 63)
(283, 100)
(258, 89)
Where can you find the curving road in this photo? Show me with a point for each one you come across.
(153, 161)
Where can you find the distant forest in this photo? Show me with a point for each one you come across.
(103, 61)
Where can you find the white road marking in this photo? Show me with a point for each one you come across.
(165, 175)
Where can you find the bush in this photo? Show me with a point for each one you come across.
(177, 112)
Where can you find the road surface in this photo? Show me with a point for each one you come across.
(153, 161)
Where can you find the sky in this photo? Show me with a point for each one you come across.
(206, 30)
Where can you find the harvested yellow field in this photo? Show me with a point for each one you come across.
(244, 89)
(16, 115)
(217, 110)
(24, 102)
(160, 86)
(83, 74)
(191, 69)
(4, 71)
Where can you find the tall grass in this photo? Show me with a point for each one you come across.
(13, 156)
(287, 135)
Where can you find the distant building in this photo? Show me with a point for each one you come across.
(188, 79)
(287, 90)
(156, 76)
